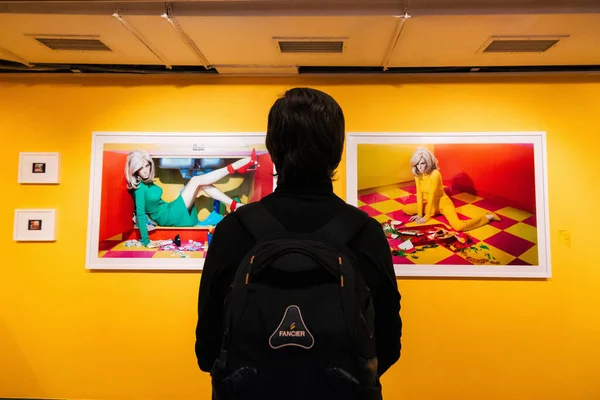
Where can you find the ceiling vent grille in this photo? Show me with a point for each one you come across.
(72, 44)
(311, 46)
(520, 44)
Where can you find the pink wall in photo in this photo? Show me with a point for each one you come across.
(504, 172)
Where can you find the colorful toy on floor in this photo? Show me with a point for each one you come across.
(424, 235)
(390, 228)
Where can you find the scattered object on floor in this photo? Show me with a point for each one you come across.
(407, 246)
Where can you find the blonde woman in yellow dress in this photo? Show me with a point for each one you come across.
(431, 197)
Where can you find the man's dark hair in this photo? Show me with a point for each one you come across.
(305, 135)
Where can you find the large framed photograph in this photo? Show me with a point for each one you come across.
(471, 204)
(39, 168)
(155, 198)
(35, 225)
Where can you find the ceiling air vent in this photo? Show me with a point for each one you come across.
(73, 44)
(311, 46)
(520, 44)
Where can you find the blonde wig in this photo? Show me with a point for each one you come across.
(135, 162)
(425, 154)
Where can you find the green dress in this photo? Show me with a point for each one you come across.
(148, 200)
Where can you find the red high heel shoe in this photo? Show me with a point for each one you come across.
(244, 168)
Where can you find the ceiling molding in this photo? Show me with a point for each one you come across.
(302, 7)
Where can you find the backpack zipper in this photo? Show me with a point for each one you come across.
(341, 274)
(248, 273)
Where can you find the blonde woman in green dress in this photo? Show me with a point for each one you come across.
(140, 173)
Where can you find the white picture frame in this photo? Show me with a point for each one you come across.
(115, 243)
(379, 162)
(39, 168)
(34, 225)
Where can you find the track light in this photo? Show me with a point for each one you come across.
(394, 42)
(142, 39)
(168, 16)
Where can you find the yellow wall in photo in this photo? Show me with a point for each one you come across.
(384, 164)
(172, 183)
(70, 333)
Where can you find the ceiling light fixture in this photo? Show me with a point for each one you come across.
(168, 16)
(142, 39)
(394, 42)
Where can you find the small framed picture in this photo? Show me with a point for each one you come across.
(35, 225)
(40, 168)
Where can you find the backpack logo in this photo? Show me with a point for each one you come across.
(292, 331)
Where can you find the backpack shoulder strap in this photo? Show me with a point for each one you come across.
(344, 225)
(259, 221)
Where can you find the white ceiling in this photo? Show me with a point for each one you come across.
(240, 36)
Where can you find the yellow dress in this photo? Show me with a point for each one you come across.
(432, 200)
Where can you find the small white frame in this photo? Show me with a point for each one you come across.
(39, 168)
(35, 225)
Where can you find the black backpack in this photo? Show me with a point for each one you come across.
(299, 319)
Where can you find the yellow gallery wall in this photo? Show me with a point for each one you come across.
(394, 159)
(69, 333)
